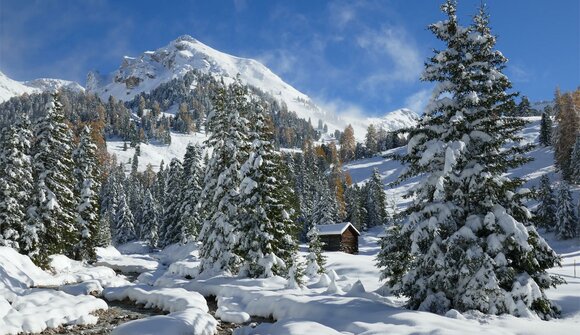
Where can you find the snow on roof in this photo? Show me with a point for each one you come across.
(334, 229)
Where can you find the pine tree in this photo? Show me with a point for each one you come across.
(16, 187)
(468, 243)
(109, 196)
(375, 201)
(54, 205)
(88, 187)
(566, 220)
(228, 139)
(354, 207)
(149, 230)
(192, 187)
(372, 140)
(575, 162)
(170, 230)
(324, 212)
(262, 214)
(124, 229)
(315, 261)
(545, 130)
(546, 211)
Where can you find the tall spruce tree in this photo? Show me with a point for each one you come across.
(567, 223)
(545, 138)
(219, 235)
(468, 243)
(575, 162)
(192, 186)
(546, 211)
(124, 224)
(170, 230)
(264, 220)
(375, 201)
(16, 184)
(54, 205)
(87, 187)
(150, 227)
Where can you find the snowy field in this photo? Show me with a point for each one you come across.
(346, 300)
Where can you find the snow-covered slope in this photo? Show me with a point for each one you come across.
(542, 163)
(50, 85)
(398, 119)
(10, 88)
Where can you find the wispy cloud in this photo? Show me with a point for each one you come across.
(418, 100)
(518, 73)
(396, 44)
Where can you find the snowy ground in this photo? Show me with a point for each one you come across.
(341, 302)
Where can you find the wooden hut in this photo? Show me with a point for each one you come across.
(339, 237)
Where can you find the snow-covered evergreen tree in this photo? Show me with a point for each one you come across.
(566, 220)
(468, 243)
(545, 130)
(16, 186)
(88, 187)
(324, 212)
(546, 211)
(170, 230)
(219, 235)
(575, 162)
(268, 230)
(192, 186)
(109, 195)
(124, 229)
(54, 204)
(375, 201)
(315, 260)
(150, 226)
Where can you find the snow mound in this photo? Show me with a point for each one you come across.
(41, 309)
(167, 299)
(189, 311)
(71, 271)
(18, 273)
(128, 263)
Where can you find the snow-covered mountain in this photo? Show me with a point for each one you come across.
(50, 84)
(398, 119)
(10, 88)
(152, 68)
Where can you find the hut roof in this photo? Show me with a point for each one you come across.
(335, 229)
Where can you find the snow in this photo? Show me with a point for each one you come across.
(188, 311)
(24, 308)
(133, 263)
(334, 229)
(40, 309)
(10, 88)
(153, 153)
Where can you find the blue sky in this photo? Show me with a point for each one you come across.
(358, 56)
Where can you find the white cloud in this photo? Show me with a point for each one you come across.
(418, 100)
(394, 43)
(518, 73)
